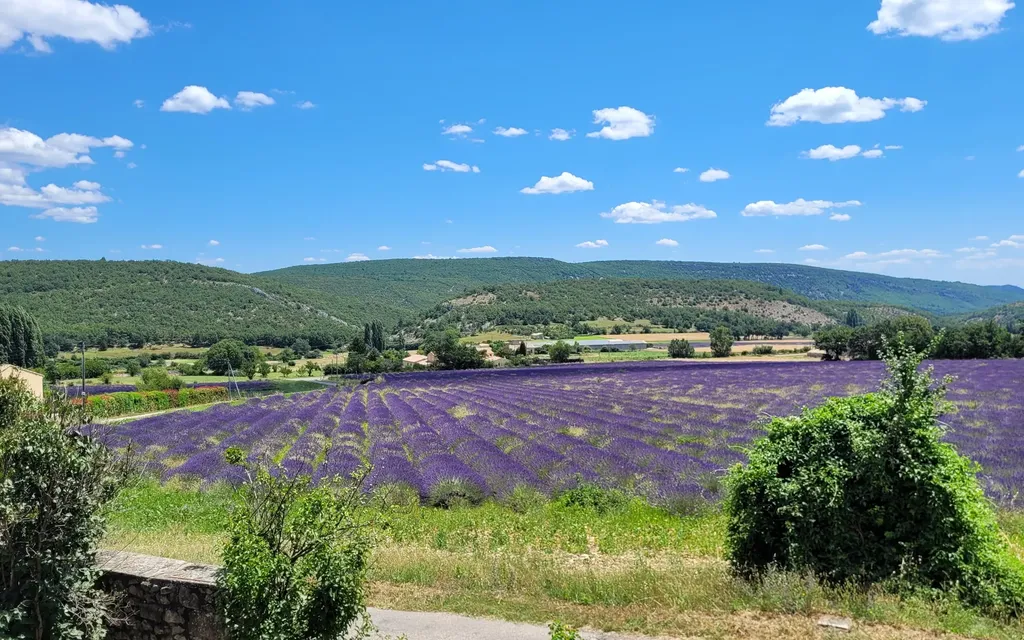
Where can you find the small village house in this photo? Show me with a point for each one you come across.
(32, 380)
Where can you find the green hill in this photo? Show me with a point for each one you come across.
(408, 286)
(1009, 315)
(152, 301)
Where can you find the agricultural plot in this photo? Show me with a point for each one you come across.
(666, 430)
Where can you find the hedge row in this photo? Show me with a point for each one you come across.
(129, 402)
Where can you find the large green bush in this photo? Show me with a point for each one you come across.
(681, 348)
(295, 562)
(54, 482)
(863, 490)
(125, 403)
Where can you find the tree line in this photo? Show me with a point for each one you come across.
(973, 340)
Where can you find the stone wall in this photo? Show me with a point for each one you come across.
(159, 598)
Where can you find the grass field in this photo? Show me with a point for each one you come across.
(635, 568)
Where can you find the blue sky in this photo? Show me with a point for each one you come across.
(754, 90)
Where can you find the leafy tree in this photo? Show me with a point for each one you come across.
(863, 489)
(296, 558)
(680, 348)
(975, 340)
(357, 345)
(310, 367)
(54, 483)
(301, 347)
(521, 350)
(500, 349)
(450, 352)
(721, 342)
(132, 367)
(834, 341)
(21, 341)
(559, 352)
(227, 356)
(249, 369)
(264, 369)
(157, 379)
(286, 371)
(853, 318)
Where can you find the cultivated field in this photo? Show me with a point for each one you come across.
(664, 431)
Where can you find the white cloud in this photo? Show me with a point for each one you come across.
(832, 153)
(798, 207)
(87, 186)
(209, 261)
(667, 242)
(383, 247)
(448, 165)
(457, 130)
(980, 238)
(14, 249)
(893, 147)
(811, 261)
(839, 217)
(139, 103)
(76, 20)
(81, 215)
(119, 154)
(304, 105)
(714, 175)
(40, 239)
(967, 250)
(1015, 241)
(511, 132)
(813, 247)
(834, 105)
(484, 249)
(873, 153)
(431, 256)
(561, 134)
(1021, 174)
(309, 238)
(896, 256)
(357, 257)
(131, 165)
(680, 170)
(313, 260)
(19, 147)
(14, 195)
(194, 99)
(655, 212)
(950, 20)
(623, 123)
(248, 100)
(565, 183)
(764, 250)
(151, 247)
(214, 243)
(592, 244)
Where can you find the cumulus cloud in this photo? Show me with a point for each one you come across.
(872, 153)
(383, 247)
(893, 147)
(1021, 174)
(592, 244)
(622, 123)
(152, 246)
(656, 212)
(194, 99)
(1015, 241)
(85, 185)
(313, 260)
(714, 175)
(561, 134)
(448, 165)
(798, 207)
(813, 247)
(458, 130)
(834, 105)
(764, 250)
(139, 103)
(949, 20)
(896, 256)
(248, 100)
(214, 243)
(832, 152)
(304, 105)
(75, 20)
(357, 257)
(81, 215)
(510, 132)
(14, 249)
(40, 239)
(20, 147)
(839, 217)
(16, 195)
(484, 249)
(667, 242)
(680, 170)
(564, 183)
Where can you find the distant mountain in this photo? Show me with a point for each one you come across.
(404, 286)
(157, 301)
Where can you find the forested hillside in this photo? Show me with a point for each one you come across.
(747, 307)
(403, 285)
(1010, 316)
(152, 301)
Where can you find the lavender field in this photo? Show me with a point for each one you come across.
(662, 430)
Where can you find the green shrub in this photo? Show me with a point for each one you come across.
(680, 349)
(591, 496)
(455, 492)
(721, 342)
(54, 483)
(763, 349)
(524, 498)
(560, 631)
(295, 562)
(128, 402)
(863, 490)
(157, 379)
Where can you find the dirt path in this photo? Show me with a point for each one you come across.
(416, 625)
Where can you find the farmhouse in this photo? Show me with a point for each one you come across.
(419, 360)
(33, 380)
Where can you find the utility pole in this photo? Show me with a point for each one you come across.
(83, 372)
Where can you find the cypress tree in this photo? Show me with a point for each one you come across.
(21, 341)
